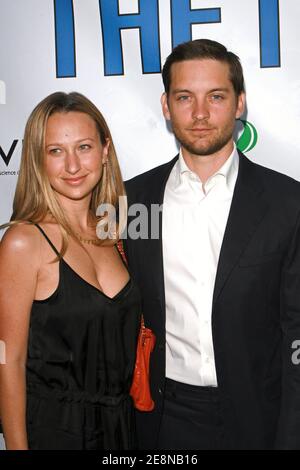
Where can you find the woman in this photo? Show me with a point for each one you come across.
(69, 312)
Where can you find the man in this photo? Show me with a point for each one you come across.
(221, 285)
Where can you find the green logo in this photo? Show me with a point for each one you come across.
(248, 139)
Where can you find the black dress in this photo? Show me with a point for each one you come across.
(81, 356)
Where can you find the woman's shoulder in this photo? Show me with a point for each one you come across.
(21, 238)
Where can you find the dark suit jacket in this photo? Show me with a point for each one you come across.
(255, 313)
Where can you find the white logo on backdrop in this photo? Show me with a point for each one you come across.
(2, 92)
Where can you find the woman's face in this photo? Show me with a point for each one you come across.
(74, 154)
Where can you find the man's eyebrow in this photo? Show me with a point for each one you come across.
(213, 90)
(181, 90)
(224, 89)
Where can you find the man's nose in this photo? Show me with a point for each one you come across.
(200, 109)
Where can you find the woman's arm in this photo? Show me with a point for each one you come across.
(19, 264)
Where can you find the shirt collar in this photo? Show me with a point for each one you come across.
(229, 170)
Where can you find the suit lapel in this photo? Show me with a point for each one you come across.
(247, 210)
(154, 247)
(150, 193)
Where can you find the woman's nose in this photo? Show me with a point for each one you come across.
(72, 162)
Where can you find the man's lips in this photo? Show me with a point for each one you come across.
(200, 129)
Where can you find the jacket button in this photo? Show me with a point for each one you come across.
(160, 391)
(160, 346)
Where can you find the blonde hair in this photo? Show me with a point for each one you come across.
(34, 196)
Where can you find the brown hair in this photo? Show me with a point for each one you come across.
(205, 49)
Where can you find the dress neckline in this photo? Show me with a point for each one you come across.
(118, 294)
(61, 260)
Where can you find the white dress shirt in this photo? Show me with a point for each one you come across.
(194, 221)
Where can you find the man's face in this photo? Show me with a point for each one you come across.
(202, 106)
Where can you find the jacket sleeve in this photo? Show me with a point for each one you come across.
(288, 432)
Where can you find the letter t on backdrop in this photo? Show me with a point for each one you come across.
(269, 33)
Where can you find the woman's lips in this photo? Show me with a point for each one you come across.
(74, 181)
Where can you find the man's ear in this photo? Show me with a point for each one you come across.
(164, 106)
(241, 102)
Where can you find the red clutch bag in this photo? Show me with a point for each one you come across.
(140, 388)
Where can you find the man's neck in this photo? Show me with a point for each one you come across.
(207, 165)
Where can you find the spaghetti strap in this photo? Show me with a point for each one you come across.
(48, 240)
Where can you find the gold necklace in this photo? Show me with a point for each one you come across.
(90, 241)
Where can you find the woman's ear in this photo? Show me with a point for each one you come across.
(105, 151)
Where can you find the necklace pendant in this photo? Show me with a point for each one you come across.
(89, 241)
